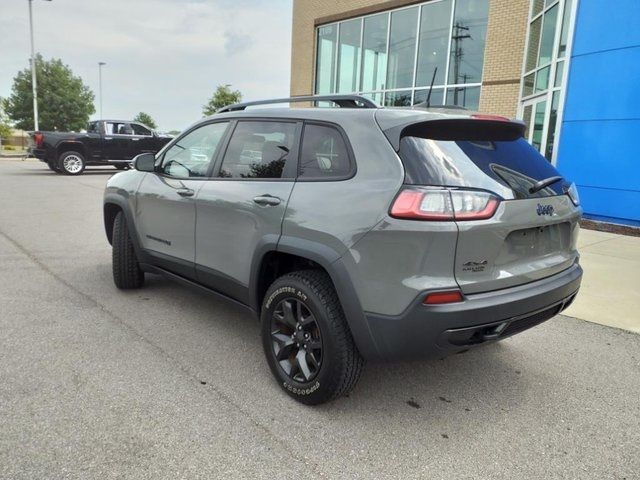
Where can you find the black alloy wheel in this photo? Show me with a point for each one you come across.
(296, 340)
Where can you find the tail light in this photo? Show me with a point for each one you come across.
(572, 191)
(38, 138)
(443, 204)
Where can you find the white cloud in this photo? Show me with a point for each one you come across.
(164, 57)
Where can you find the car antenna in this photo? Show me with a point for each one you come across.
(433, 79)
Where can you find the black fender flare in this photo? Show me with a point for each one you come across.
(123, 205)
(330, 260)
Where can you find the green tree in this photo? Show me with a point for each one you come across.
(222, 97)
(5, 127)
(145, 119)
(64, 102)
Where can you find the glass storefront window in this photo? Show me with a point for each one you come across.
(402, 44)
(468, 41)
(545, 71)
(548, 36)
(391, 56)
(433, 42)
(542, 79)
(374, 52)
(534, 44)
(467, 97)
(437, 96)
(566, 16)
(538, 124)
(400, 98)
(349, 56)
(551, 130)
(325, 63)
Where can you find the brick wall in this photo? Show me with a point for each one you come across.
(503, 54)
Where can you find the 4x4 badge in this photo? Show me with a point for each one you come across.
(474, 266)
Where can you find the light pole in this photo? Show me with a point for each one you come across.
(34, 84)
(100, 64)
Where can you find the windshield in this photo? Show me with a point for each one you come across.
(508, 168)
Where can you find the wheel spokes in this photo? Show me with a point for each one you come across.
(301, 359)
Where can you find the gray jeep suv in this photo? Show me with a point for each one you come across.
(353, 233)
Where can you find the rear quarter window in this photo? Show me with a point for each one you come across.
(324, 154)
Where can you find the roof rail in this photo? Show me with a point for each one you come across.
(343, 101)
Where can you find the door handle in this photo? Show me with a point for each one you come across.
(267, 200)
(185, 192)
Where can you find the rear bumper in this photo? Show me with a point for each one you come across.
(39, 153)
(438, 330)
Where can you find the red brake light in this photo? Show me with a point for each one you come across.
(444, 205)
(439, 298)
(38, 138)
(497, 118)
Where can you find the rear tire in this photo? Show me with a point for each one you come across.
(306, 339)
(126, 269)
(71, 163)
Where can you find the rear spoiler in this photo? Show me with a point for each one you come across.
(480, 128)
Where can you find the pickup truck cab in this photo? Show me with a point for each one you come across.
(106, 142)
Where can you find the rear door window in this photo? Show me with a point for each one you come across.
(508, 168)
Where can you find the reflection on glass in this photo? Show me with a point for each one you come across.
(468, 41)
(528, 110)
(374, 52)
(437, 96)
(537, 6)
(349, 56)
(527, 85)
(376, 97)
(559, 71)
(538, 124)
(433, 42)
(566, 17)
(468, 97)
(551, 131)
(402, 42)
(398, 99)
(548, 36)
(327, 37)
(542, 79)
(534, 43)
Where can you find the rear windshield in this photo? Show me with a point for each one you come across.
(508, 168)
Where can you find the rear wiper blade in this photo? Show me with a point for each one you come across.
(544, 183)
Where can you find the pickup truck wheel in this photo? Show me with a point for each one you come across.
(306, 338)
(126, 270)
(71, 163)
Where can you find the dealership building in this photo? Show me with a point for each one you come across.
(570, 69)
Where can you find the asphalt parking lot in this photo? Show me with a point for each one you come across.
(166, 383)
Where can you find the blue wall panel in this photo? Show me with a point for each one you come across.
(606, 24)
(601, 122)
(604, 85)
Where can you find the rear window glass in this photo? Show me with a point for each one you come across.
(508, 168)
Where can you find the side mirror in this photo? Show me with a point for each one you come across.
(145, 162)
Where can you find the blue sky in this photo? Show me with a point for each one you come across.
(164, 57)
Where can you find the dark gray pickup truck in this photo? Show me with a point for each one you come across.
(106, 142)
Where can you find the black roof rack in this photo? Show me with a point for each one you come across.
(343, 101)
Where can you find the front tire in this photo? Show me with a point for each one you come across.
(126, 269)
(306, 339)
(71, 163)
